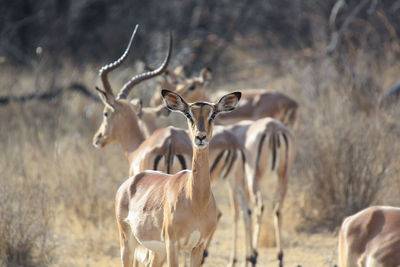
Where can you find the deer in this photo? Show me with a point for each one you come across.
(226, 161)
(171, 213)
(168, 149)
(121, 123)
(370, 238)
(258, 116)
(273, 147)
(270, 152)
(255, 104)
(177, 81)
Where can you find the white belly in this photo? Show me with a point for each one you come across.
(157, 246)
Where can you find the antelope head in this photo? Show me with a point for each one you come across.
(192, 89)
(200, 115)
(119, 115)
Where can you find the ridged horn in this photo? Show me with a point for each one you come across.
(124, 92)
(103, 72)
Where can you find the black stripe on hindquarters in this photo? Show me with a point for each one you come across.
(217, 159)
(182, 161)
(230, 163)
(243, 156)
(156, 161)
(286, 149)
(259, 149)
(274, 143)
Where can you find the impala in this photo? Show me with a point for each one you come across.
(172, 213)
(270, 153)
(255, 104)
(190, 88)
(371, 238)
(226, 161)
(121, 123)
(167, 149)
(273, 149)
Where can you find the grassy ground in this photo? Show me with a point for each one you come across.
(59, 189)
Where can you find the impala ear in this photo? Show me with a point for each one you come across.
(205, 75)
(137, 104)
(107, 99)
(178, 70)
(174, 101)
(228, 102)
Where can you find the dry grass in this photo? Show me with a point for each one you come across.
(57, 191)
(347, 143)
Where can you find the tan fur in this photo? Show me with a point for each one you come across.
(270, 151)
(231, 169)
(260, 104)
(121, 124)
(226, 161)
(192, 89)
(371, 238)
(255, 104)
(172, 213)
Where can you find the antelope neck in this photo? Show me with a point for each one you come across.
(199, 182)
(131, 137)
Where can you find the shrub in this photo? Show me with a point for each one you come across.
(26, 233)
(347, 150)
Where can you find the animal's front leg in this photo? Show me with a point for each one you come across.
(197, 256)
(172, 253)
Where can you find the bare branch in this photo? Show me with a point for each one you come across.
(340, 4)
(4, 100)
(337, 35)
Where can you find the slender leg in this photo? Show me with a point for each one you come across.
(157, 260)
(126, 254)
(126, 244)
(281, 192)
(235, 211)
(172, 253)
(250, 252)
(196, 256)
(183, 258)
(259, 209)
(277, 226)
(256, 212)
(205, 253)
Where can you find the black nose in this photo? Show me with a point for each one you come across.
(201, 138)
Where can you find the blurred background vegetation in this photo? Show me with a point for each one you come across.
(339, 59)
(94, 30)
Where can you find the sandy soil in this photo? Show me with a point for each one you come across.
(301, 249)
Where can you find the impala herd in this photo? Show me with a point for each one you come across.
(166, 208)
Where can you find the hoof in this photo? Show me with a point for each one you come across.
(253, 258)
(280, 258)
(232, 262)
(205, 255)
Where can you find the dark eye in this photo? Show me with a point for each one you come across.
(189, 117)
(192, 87)
(213, 116)
(105, 114)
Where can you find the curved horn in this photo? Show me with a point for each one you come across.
(124, 92)
(103, 72)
